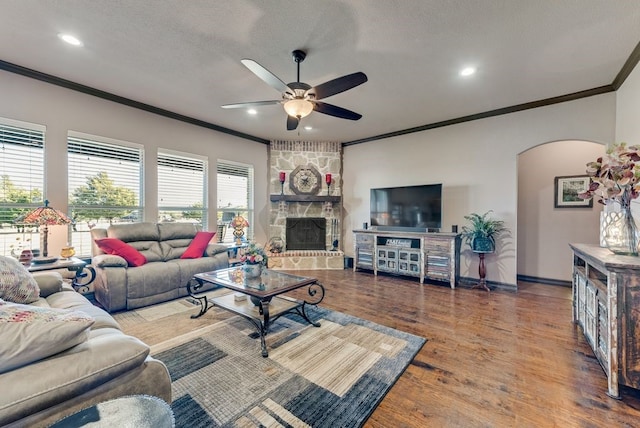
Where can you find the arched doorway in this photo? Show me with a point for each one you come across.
(544, 231)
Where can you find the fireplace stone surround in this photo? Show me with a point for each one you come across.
(326, 157)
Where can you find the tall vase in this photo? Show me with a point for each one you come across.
(621, 234)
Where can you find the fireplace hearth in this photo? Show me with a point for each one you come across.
(306, 233)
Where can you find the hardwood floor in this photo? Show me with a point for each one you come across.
(498, 359)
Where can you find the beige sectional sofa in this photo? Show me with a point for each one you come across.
(164, 276)
(103, 364)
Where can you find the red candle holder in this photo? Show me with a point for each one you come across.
(327, 179)
(283, 176)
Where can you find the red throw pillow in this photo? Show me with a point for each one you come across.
(196, 248)
(117, 247)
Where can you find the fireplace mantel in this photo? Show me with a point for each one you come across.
(305, 198)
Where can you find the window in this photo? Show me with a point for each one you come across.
(105, 185)
(182, 187)
(22, 182)
(235, 197)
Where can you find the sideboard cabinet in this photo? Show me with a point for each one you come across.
(434, 256)
(606, 302)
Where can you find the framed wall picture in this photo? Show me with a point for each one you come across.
(567, 189)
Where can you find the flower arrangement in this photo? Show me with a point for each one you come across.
(614, 176)
(254, 254)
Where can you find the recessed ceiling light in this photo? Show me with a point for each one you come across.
(252, 111)
(308, 128)
(467, 71)
(70, 39)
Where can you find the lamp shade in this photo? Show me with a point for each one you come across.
(45, 216)
(239, 222)
(298, 107)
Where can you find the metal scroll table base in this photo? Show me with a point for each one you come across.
(263, 314)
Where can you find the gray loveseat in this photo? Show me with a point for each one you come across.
(105, 364)
(165, 275)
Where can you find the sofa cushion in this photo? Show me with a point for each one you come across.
(16, 283)
(134, 232)
(198, 245)
(115, 246)
(30, 333)
(75, 301)
(169, 231)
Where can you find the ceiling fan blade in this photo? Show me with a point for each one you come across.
(252, 104)
(341, 84)
(292, 123)
(268, 77)
(336, 111)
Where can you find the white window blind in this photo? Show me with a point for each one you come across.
(182, 191)
(235, 196)
(105, 185)
(21, 182)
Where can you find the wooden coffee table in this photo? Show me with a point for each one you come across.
(261, 301)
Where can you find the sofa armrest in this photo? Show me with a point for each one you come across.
(48, 282)
(61, 377)
(109, 260)
(213, 249)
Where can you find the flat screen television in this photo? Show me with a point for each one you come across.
(411, 208)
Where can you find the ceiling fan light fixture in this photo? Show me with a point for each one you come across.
(298, 107)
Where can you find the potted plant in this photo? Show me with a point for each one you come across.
(482, 233)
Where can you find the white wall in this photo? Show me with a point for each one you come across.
(61, 110)
(543, 230)
(628, 120)
(628, 109)
(477, 164)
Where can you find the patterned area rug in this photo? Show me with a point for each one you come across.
(331, 376)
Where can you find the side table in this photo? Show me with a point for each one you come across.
(81, 279)
(140, 411)
(234, 252)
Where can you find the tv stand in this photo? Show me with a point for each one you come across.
(434, 256)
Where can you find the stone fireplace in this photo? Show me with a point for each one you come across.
(309, 224)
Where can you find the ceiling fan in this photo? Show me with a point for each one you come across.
(300, 99)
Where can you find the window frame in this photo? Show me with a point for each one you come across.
(244, 170)
(101, 145)
(13, 242)
(196, 159)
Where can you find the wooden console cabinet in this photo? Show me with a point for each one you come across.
(434, 256)
(606, 302)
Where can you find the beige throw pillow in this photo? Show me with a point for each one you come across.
(30, 333)
(16, 283)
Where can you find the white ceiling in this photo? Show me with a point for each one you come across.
(184, 56)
